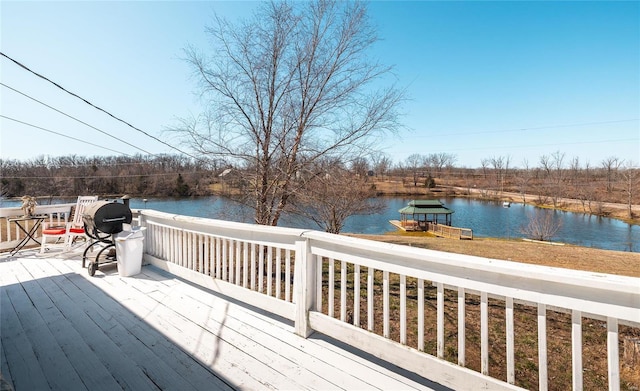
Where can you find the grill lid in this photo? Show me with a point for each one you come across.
(106, 217)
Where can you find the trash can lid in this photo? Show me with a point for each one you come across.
(135, 233)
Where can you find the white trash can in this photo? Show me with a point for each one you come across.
(129, 249)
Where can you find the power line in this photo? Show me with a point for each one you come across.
(109, 176)
(75, 119)
(96, 107)
(62, 135)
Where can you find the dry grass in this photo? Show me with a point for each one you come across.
(566, 256)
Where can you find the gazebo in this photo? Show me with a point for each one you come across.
(420, 212)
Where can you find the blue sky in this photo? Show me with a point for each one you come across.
(485, 79)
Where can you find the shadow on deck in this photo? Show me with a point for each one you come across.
(62, 329)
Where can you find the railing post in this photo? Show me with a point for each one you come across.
(146, 245)
(304, 287)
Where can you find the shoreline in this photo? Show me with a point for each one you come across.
(607, 209)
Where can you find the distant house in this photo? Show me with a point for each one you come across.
(226, 172)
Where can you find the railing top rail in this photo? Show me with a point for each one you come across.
(597, 293)
(40, 209)
(228, 229)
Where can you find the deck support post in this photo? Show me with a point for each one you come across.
(304, 287)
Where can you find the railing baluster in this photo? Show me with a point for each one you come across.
(356, 295)
(420, 314)
(218, 259)
(195, 251)
(576, 348)
(184, 246)
(287, 272)
(245, 263)
(171, 238)
(278, 272)
(613, 359)
(542, 347)
(9, 232)
(509, 328)
(319, 261)
(484, 333)
(176, 238)
(253, 259)
(461, 327)
(165, 251)
(206, 256)
(261, 268)
(189, 253)
(440, 320)
(225, 259)
(232, 267)
(331, 282)
(343, 291)
(270, 270)
(238, 262)
(370, 320)
(403, 309)
(385, 304)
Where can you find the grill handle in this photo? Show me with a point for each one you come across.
(115, 219)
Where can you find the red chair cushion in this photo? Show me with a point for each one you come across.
(54, 231)
(77, 230)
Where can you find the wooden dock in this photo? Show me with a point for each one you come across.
(443, 231)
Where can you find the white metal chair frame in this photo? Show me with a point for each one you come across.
(71, 229)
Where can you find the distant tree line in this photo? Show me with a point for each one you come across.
(329, 190)
(553, 178)
(163, 175)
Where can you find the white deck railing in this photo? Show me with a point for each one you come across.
(10, 234)
(419, 309)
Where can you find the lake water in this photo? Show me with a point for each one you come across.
(485, 218)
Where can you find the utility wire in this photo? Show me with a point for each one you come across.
(96, 107)
(107, 176)
(62, 135)
(76, 119)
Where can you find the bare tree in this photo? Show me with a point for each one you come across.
(360, 167)
(611, 165)
(381, 164)
(524, 179)
(631, 182)
(414, 163)
(287, 87)
(542, 225)
(485, 165)
(499, 163)
(553, 166)
(332, 195)
(439, 161)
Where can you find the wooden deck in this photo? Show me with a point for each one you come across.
(61, 329)
(440, 230)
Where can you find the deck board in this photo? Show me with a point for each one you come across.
(118, 328)
(61, 329)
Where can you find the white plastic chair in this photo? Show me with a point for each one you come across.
(71, 229)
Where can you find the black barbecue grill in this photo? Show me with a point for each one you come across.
(102, 221)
